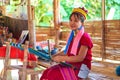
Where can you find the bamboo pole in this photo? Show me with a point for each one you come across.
(6, 64)
(56, 9)
(31, 25)
(103, 30)
(24, 69)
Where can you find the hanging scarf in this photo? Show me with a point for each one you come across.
(75, 42)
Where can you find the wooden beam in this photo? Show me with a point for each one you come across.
(56, 9)
(103, 31)
(66, 24)
(103, 9)
(31, 25)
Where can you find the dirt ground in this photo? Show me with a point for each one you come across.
(103, 71)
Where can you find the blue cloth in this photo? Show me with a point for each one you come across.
(118, 70)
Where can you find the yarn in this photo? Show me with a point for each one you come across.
(54, 51)
(118, 70)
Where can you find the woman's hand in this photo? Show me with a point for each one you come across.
(58, 58)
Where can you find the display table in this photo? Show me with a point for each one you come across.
(16, 53)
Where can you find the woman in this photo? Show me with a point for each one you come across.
(77, 52)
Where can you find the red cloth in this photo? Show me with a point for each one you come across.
(54, 73)
(16, 53)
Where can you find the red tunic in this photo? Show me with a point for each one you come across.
(53, 73)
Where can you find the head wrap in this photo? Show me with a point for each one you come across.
(80, 10)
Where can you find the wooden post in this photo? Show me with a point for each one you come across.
(6, 64)
(31, 25)
(24, 70)
(56, 9)
(3, 9)
(103, 31)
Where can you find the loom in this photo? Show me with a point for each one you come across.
(39, 53)
(42, 54)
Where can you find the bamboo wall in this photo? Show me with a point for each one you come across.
(112, 39)
(44, 34)
(94, 28)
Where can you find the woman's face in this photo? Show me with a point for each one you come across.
(75, 23)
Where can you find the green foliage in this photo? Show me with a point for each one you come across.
(113, 4)
(44, 9)
(44, 12)
(65, 8)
